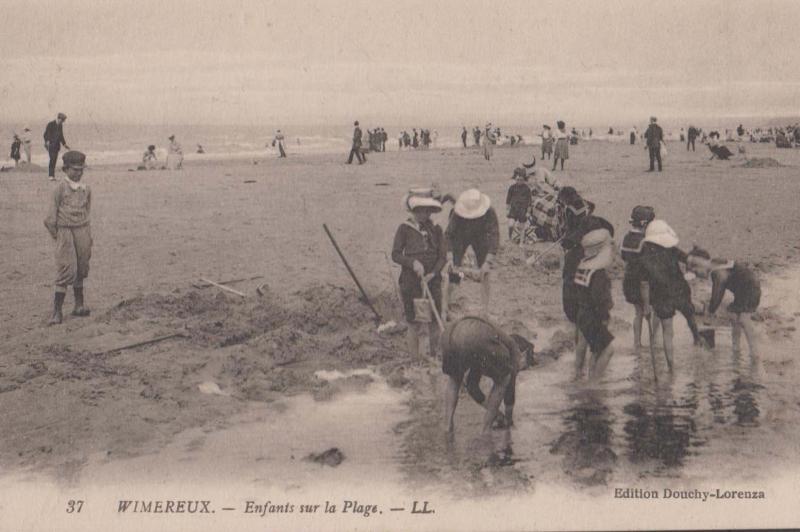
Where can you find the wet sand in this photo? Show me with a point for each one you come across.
(155, 233)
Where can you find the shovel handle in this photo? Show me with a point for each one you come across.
(433, 305)
(352, 274)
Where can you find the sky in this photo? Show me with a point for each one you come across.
(296, 62)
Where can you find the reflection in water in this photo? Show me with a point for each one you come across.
(472, 462)
(744, 390)
(586, 442)
(661, 428)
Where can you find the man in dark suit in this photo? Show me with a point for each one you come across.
(654, 136)
(692, 134)
(53, 139)
(356, 149)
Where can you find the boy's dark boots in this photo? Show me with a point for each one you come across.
(58, 302)
(79, 309)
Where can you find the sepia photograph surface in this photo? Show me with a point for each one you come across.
(420, 265)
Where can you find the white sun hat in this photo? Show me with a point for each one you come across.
(660, 233)
(472, 204)
(598, 250)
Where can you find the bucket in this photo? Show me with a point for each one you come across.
(708, 336)
(422, 308)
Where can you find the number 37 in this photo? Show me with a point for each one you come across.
(74, 506)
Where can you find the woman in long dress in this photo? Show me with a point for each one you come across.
(562, 145)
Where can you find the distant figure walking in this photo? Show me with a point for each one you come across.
(279, 141)
(174, 154)
(53, 140)
(26, 143)
(15, 146)
(633, 135)
(488, 142)
(476, 134)
(562, 144)
(691, 135)
(547, 142)
(464, 136)
(654, 136)
(356, 147)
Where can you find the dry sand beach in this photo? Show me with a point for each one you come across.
(71, 409)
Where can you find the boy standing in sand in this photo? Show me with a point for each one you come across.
(743, 284)
(419, 247)
(68, 224)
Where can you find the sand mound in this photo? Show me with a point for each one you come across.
(761, 162)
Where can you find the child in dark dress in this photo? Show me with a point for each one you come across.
(420, 248)
(593, 290)
(743, 284)
(518, 201)
(663, 285)
(631, 251)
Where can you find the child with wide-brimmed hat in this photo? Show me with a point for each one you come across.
(663, 285)
(68, 224)
(594, 303)
(420, 248)
(741, 281)
(631, 251)
(473, 223)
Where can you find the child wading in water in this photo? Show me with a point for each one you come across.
(68, 224)
(593, 294)
(420, 248)
(743, 284)
(631, 251)
(518, 200)
(663, 284)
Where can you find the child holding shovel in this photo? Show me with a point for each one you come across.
(743, 284)
(419, 247)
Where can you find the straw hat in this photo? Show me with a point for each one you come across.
(661, 234)
(417, 194)
(415, 202)
(472, 204)
(598, 249)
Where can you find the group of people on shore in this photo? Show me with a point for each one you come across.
(422, 139)
(174, 156)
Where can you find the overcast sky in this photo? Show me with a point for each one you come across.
(295, 62)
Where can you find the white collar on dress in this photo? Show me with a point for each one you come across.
(74, 185)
